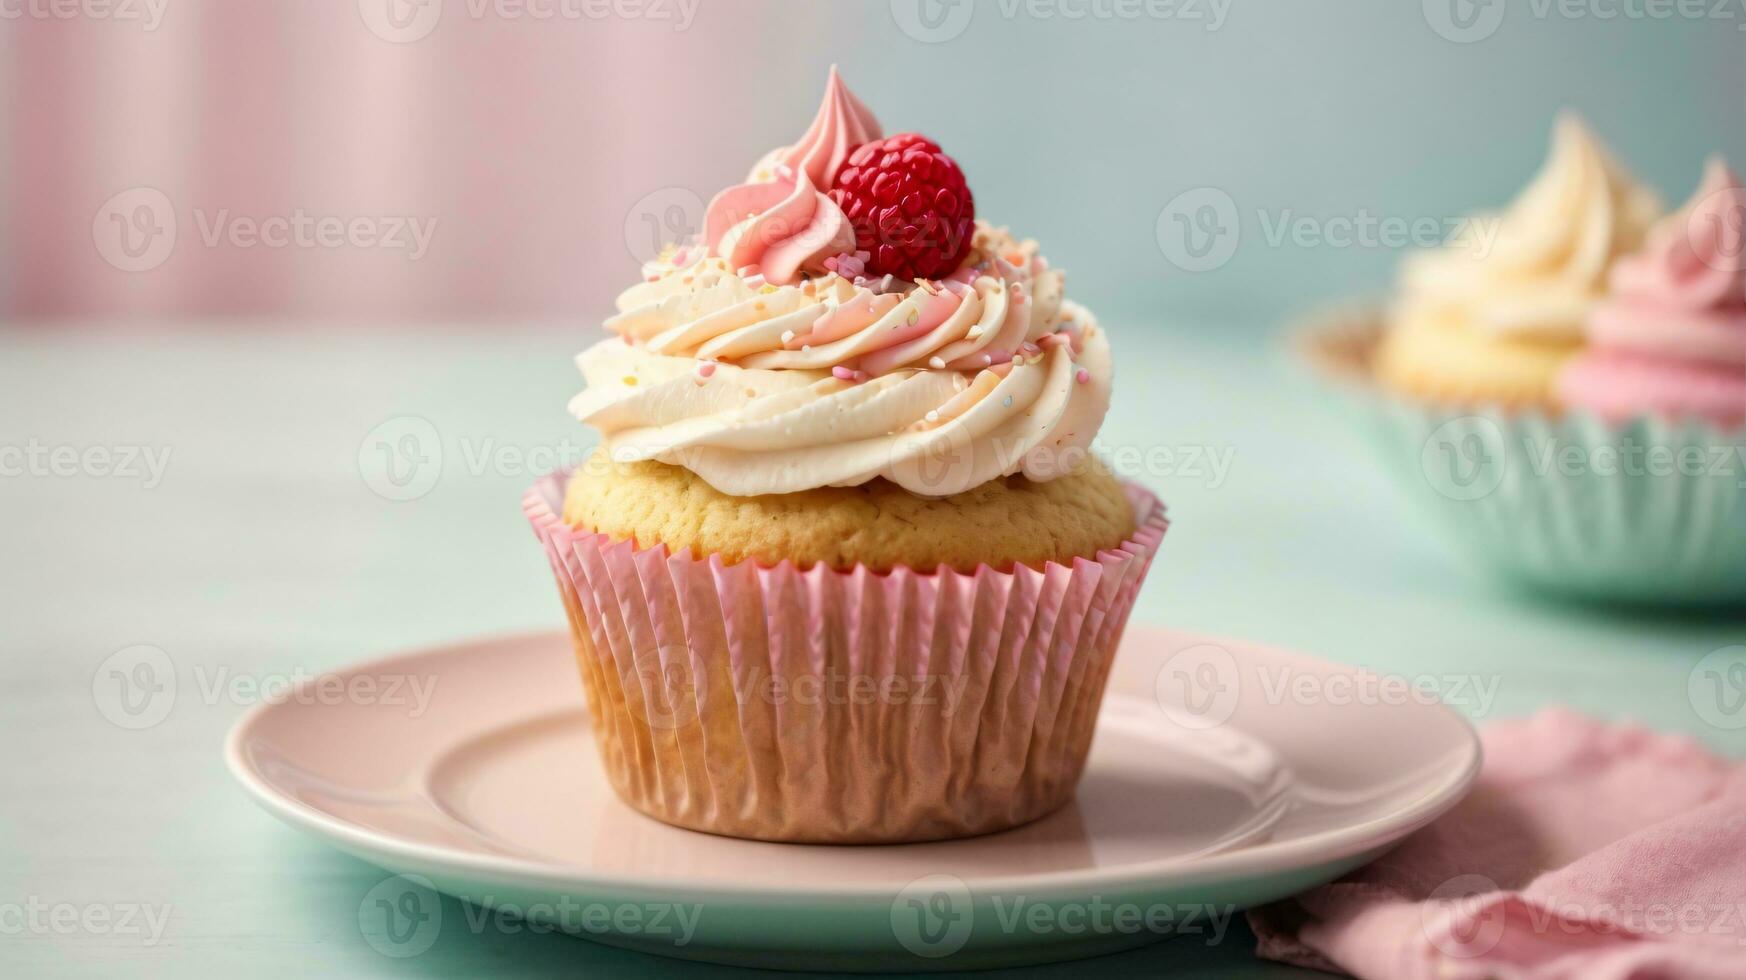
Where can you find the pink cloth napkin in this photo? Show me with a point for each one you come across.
(1586, 850)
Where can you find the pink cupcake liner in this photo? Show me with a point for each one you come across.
(837, 706)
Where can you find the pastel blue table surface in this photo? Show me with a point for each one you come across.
(257, 549)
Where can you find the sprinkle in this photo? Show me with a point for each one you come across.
(787, 335)
(842, 373)
(975, 331)
(1031, 349)
(630, 379)
(986, 360)
(937, 363)
(1082, 376)
(806, 348)
(849, 265)
(932, 416)
(1006, 402)
(706, 369)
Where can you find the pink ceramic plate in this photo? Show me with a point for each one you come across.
(1223, 774)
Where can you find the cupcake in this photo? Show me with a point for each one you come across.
(1608, 464)
(1492, 317)
(843, 568)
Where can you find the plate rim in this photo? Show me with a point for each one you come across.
(1301, 853)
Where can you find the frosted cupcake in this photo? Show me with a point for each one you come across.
(1491, 318)
(843, 569)
(1566, 405)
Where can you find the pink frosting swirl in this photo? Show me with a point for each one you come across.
(1684, 296)
(843, 123)
(780, 221)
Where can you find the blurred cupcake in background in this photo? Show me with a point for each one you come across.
(1491, 318)
(1564, 391)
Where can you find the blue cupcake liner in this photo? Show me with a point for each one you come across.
(1649, 510)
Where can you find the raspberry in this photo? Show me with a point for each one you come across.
(911, 209)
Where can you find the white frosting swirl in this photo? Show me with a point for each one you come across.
(1535, 271)
(937, 387)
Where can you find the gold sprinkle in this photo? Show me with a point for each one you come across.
(630, 379)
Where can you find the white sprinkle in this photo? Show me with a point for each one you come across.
(787, 335)
(937, 363)
(933, 416)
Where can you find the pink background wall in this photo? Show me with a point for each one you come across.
(518, 143)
